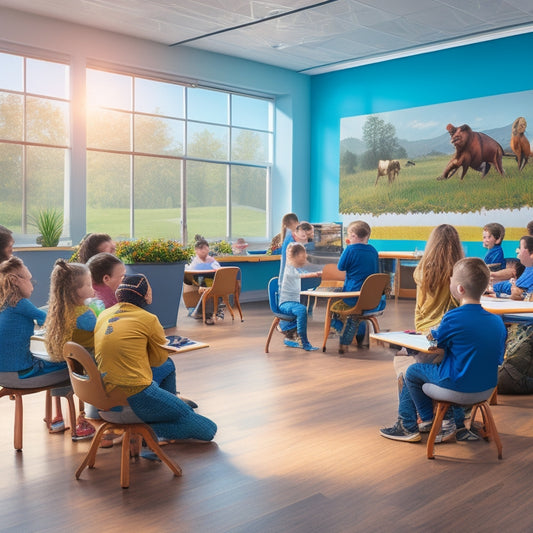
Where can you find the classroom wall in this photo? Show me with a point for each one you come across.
(483, 69)
(25, 33)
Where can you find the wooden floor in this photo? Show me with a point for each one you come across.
(297, 450)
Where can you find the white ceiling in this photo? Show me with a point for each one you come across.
(319, 36)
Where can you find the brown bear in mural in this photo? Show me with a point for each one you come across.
(472, 149)
(519, 143)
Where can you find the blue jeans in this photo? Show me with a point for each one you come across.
(165, 375)
(170, 417)
(300, 312)
(413, 399)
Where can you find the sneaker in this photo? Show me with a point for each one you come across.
(308, 347)
(209, 321)
(190, 403)
(398, 432)
(84, 429)
(425, 427)
(57, 425)
(464, 434)
(447, 432)
(292, 344)
(220, 314)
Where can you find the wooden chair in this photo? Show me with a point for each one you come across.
(273, 298)
(370, 304)
(88, 386)
(17, 394)
(444, 398)
(332, 278)
(225, 283)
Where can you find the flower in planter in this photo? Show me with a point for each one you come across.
(220, 248)
(152, 251)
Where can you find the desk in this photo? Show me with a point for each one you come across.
(505, 306)
(397, 290)
(413, 341)
(330, 295)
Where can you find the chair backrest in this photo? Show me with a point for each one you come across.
(273, 293)
(372, 292)
(225, 281)
(86, 380)
(330, 272)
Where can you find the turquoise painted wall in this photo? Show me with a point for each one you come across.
(477, 70)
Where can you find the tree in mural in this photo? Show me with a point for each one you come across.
(381, 141)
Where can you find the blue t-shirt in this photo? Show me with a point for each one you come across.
(16, 328)
(474, 343)
(525, 281)
(358, 261)
(495, 256)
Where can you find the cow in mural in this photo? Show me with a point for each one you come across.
(472, 149)
(390, 168)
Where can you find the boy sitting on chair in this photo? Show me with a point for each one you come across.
(473, 341)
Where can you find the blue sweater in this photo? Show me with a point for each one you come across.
(16, 328)
(525, 281)
(474, 343)
(495, 256)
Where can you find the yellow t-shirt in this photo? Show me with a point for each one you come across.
(127, 341)
(430, 308)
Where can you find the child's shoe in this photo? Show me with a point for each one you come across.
(292, 344)
(84, 429)
(308, 347)
(57, 425)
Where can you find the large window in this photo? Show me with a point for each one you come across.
(154, 147)
(34, 138)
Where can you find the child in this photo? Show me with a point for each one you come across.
(107, 272)
(203, 261)
(6, 243)
(473, 341)
(493, 235)
(69, 319)
(239, 247)
(359, 260)
(289, 295)
(95, 243)
(518, 288)
(19, 368)
(129, 347)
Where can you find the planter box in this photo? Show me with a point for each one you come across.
(166, 280)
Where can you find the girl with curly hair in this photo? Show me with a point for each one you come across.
(69, 319)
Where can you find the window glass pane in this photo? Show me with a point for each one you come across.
(47, 78)
(208, 142)
(109, 130)
(248, 202)
(154, 135)
(248, 112)
(46, 121)
(11, 117)
(45, 180)
(206, 199)
(159, 98)
(106, 89)
(11, 72)
(11, 180)
(250, 146)
(207, 106)
(157, 198)
(108, 194)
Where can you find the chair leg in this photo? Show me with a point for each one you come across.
(493, 400)
(72, 412)
(237, 304)
(225, 299)
(492, 430)
(438, 417)
(19, 417)
(151, 441)
(48, 409)
(90, 458)
(275, 322)
(125, 460)
(327, 325)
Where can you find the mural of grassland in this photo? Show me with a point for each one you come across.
(419, 140)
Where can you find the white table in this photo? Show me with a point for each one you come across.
(505, 306)
(409, 340)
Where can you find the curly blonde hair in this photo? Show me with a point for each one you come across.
(443, 250)
(65, 280)
(10, 294)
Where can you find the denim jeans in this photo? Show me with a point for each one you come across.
(413, 399)
(165, 375)
(300, 312)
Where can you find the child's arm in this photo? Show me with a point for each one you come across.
(311, 274)
(26, 308)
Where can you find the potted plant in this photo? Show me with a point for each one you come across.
(49, 224)
(162, 261)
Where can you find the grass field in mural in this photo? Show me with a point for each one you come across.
(416, 190)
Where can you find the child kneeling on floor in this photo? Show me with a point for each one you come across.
(289, 294)
(473, 341)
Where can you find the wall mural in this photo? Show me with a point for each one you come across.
(467, 158)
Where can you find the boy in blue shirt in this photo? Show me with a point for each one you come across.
(359, 260)
(493, 235)
(473, 341)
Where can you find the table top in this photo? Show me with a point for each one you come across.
(400, 255)
(505, 306)
(409, 340)
(330, 294)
